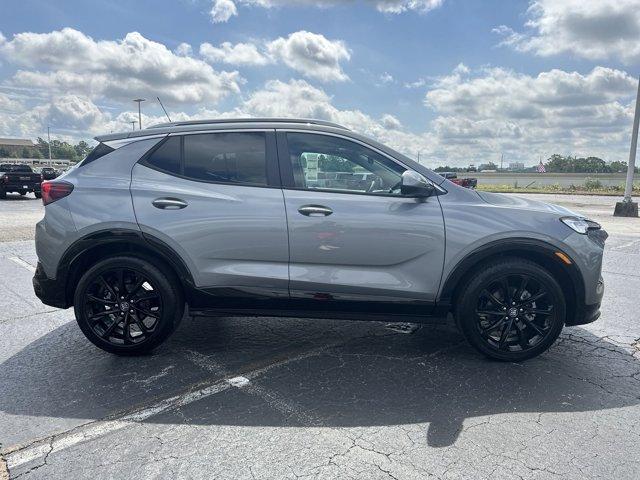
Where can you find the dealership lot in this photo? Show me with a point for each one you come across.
(272, 398)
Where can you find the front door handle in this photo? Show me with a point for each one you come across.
(315, 211)
(169, 203)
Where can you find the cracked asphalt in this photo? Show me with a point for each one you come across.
(270, 398)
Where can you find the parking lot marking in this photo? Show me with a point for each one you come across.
(39, 450)
(23, 264)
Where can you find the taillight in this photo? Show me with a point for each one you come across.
(52, 191)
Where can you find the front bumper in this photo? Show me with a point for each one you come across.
(588, 313)
(51, 292)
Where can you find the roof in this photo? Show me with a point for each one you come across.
(309, 121)
(16, 142)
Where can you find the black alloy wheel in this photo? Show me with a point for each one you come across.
(512, 311)
(127, 305)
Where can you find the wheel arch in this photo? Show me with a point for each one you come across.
(537, 251)
(105, 243)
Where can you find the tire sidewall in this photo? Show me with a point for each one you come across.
(467, 318)
(164, 281)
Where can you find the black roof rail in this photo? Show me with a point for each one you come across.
(308, 121)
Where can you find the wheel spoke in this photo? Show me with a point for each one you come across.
(110, 328)
(121, 288)
(524, 342)
(104, 301)
(492, 326)
(538, 311)
(137, 286)
(523, 285)
(126, 329)
(107, 286)
(505, 286)
(492, 297)
(141, 325)
(145, 312)
(534, 298)
(504, 334)
(533, 326)
(489, 312)
(99, 315)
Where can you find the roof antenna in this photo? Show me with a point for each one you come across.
(165, 111)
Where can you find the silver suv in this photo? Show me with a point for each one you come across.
(303, 218)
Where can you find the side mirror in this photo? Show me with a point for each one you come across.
(415, 185)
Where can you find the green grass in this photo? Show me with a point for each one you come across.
(590, 187)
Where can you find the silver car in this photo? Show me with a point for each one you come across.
(303, 218)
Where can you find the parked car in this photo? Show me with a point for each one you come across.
(463, 182)
(226, 217)
(18, 178)
(49, 173)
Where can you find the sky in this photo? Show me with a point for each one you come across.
(455, 82)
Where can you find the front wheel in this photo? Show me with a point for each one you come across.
(512, 311)
(128, 306)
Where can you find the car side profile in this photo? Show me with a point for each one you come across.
(303, 218)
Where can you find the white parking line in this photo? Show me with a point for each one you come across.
(43, 448)
(23, 264)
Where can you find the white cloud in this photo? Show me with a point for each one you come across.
(70, 61)
(9, 104)
(593, 29)
(311, 54)
(184, 50)
(238, 54)
(390, 122)
(222, 10)
(386, 78)
(498, 110)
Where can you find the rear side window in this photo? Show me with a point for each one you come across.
(166, 157)
(226, 158)
(100, 150)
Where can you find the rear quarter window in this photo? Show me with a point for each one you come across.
(166, 157)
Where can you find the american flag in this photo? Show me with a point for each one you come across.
(541, 168)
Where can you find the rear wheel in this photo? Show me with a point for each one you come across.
(38, 194)
(511, 311)
(3, 193)
(22, 192)
(127, 306)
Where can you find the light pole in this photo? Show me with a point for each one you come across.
(49, 143)
(133, 125)
(627, 207)
(139, 101)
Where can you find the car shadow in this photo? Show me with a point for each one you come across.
(361, 374)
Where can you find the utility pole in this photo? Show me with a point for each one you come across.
(49, 143)
(627, 207)
(139, 102)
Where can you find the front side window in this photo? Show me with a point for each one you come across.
(322, 162)
(226, 157)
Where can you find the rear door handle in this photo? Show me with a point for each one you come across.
(315, 211)
(169, 203)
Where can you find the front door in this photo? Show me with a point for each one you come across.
(353, 238)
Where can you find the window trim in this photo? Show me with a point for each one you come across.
(286, 169)
(271, 157)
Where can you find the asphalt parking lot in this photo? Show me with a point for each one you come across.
(270, 398)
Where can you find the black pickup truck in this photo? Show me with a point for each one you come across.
(19, 178)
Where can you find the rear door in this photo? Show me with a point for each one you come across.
(215, 199)
(354, 239)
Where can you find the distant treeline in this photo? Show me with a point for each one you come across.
(59, 150)
(558, 164)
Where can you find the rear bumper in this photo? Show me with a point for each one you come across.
(49, 291)
(19, 187)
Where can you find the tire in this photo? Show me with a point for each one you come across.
(516, 329)
(148, 314)
(38, 194)
(22, 192)
(3, 193)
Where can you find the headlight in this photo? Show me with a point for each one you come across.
(580, 225)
